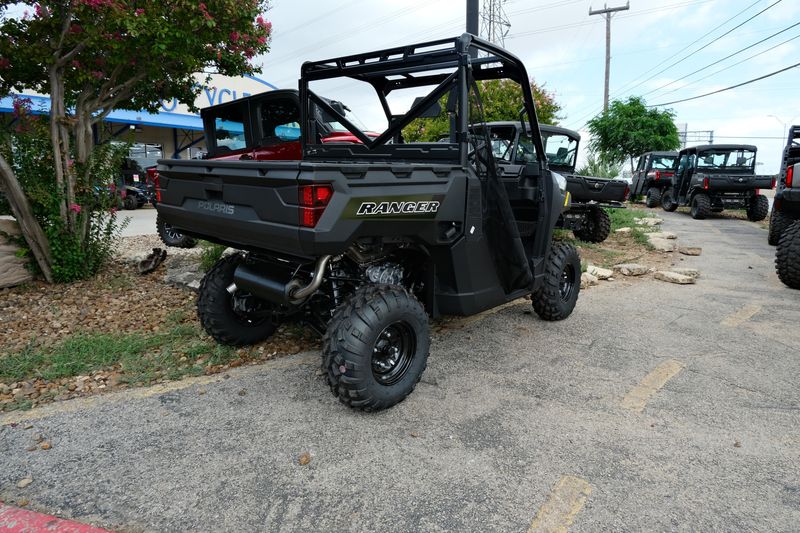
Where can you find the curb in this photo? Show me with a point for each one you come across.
(14, 519)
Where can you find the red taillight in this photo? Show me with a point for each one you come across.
(774, 182)
(313, 201)
(705, 183)
(758, 191)
(658, 175)
(789, 176)
(627, 193)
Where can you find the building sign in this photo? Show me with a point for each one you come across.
(218, 90)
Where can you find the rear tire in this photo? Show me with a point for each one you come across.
(558, 294)
(787, 256)
(758, 208)
(701, 207)
(778, 222)
(668, 203)
(215, 308)
(130, 202)
(376, 347)
(596, 226)
(653, 197)
(172, 237)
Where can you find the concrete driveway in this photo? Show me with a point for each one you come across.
(142, 221)
(654, 407)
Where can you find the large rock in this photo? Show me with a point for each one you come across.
(661, 245)
(587, 280)
(631, 269)
(599, 273)
(691, 272)
(663, 235)
(673, 277)
(188, 276)
(623, 230)
(13, 269)
(648, 221)
(690, 250)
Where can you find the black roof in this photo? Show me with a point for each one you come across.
(720, 147)
(544, 128)
(662, 153)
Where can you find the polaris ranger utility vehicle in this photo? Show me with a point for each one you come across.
(650, 177)
(786, 207)
(714, 177)
(365, 241)
(264, 126)
(586, 217)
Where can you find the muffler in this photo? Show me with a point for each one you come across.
(277, 285)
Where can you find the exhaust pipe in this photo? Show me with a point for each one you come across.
(269, 288)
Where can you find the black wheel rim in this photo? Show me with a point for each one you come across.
(393, 352)
(171, 233)
(567, 282)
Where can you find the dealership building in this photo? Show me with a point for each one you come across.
(173, 132)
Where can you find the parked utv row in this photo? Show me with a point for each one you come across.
(784, 223)
(367, 236)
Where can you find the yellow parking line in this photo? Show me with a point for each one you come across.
(565, 501)
(742, 315)
(637, 398)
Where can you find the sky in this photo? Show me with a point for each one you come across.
(661, 50)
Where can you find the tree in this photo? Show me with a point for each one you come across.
(629, 129)
(502, 100)
(599, 169)
(94, 56)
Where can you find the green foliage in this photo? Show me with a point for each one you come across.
(598, 168)
(130, 54)
(76, 255)
(210, 253)
(624, 218)
(502, 100)
(630, 128)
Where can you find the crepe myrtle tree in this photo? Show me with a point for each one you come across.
(629, 128)
(94, 56)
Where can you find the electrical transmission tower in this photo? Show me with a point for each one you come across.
(494, 22)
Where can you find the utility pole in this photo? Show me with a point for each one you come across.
(473, 8)
(608, 12)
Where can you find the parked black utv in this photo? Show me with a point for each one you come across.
(652, 175)
(365, 241)
(585, 212)
(714, 177)
(786, 207)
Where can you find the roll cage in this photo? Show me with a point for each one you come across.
(469, 59)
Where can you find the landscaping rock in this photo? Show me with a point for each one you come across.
(663, 235)
(631, 269)
(662, 245)
(587, 280)
(188, 276)
(648, 221)
(690, 250)
(673, 277)
(623, 230)
(691, 272)
(599, 273)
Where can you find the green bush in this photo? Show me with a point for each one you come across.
(210, 253)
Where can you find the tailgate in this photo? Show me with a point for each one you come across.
(587, 189)
(734, 182)
(237, 202)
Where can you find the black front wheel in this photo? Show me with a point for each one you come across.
(558, 294)
(668, 202)
(596, 226)
(376, 347)
(130, 202)
(235, 319)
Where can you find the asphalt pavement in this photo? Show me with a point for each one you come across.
(654, 407)
(141, 221)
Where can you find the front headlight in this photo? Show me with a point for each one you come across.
(561, 181)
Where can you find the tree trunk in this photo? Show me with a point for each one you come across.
(31, 230)
(65, 175)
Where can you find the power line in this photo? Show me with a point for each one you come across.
(728, 88)
(734, 65)
(724, 58)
